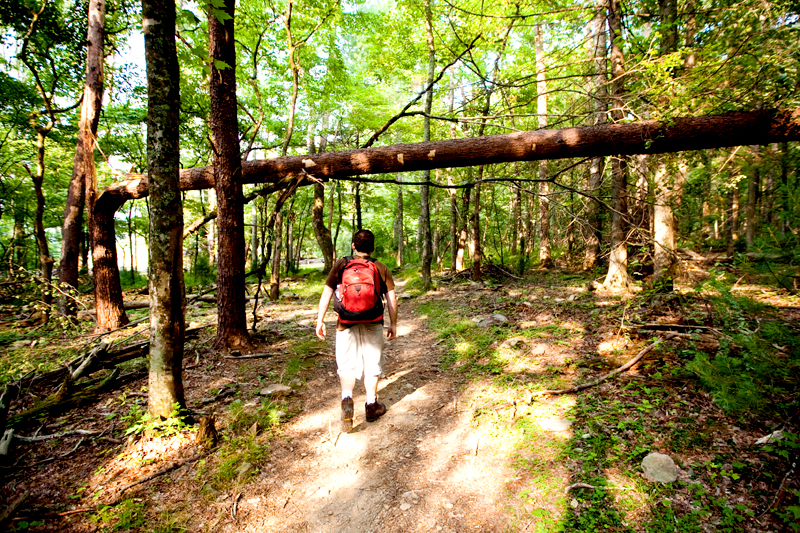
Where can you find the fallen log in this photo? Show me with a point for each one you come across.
(59, 403)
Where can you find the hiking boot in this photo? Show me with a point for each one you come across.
(374, 411)
(347, 415)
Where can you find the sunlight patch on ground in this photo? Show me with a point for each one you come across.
(627, 494)
(141, 459)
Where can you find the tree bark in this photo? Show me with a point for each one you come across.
(399, 236)
(321, 232)
(545, 259)
(232, 320)
(72, 229)
(167, 302)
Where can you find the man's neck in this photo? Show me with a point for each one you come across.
(360, 255)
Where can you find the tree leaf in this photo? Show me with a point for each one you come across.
(220, 65)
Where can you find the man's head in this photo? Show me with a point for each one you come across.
(364, 241)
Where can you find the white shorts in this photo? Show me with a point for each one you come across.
(359, 350)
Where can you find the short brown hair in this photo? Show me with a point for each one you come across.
(364, 241)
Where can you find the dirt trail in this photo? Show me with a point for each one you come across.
(418, 468)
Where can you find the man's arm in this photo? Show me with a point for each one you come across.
(391, 303)
(324, 302)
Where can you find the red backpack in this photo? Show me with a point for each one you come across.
(358, 297)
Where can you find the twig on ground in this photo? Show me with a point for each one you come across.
(778, 492)
(578, 486)
(39, 438)
(611, 374)
(235, 507)
(9, 511)
(253, 355)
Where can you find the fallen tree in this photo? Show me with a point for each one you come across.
(647, 137)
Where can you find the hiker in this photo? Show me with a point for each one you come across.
(359, 284)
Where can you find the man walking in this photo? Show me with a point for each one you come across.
(360, 284)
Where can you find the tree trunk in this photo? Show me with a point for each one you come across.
(598, 55)
(45, 261)
(72, 229)
(425, 212)
(545, 259)
(167, 302)
(617, 277)
(275, 275)
(753, 196)
(663, 230)
(231, 321)
(321, 232)
(398, 225)
(357, 213)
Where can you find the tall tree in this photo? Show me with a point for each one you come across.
(617, 277)
(72, 229)
(232, 320)
(424, 192)
(165, 278)
(545, 259)
(598, 56)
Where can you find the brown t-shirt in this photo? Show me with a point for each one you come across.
(387, 282)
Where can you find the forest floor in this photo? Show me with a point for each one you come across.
(467, 444)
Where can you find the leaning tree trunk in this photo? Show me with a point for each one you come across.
(321, 232)
(617, 277)
(165, 278)
(45, 261)
(232, 319)
(753, 197)
(545, 258)
(72, 231)
(598, 56)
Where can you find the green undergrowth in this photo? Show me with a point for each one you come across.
(756, 369)
(686, 402)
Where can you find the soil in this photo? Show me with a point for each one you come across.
(426, 465)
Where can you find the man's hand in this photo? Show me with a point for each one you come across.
(391, 333)
(321, 330)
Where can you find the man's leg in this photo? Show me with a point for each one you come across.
(348, 367)
(372, 346)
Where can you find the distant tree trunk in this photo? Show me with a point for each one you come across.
(45, 261)
(475, 218)
(357, 199)
(232, 320)
(275, 275)
(321, 232)
(733, 219)
(753, 196)
(545, 259)
(617, 277)
(399, 236)
(254, 244)
(167, 303)
(663, 229)
(424, 190)
(72, 230)
(784, 196)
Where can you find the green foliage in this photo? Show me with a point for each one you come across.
(757, 364)
(125, 516)
(140, 421)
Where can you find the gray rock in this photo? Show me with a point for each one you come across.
(404, 296)
(772, 437)
(244, 471)
(484, 321)
(659, 468)
(512, 343)
(555, 424)
(276, 391)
